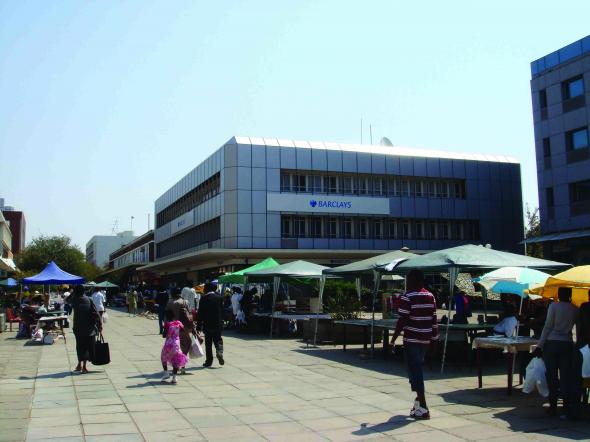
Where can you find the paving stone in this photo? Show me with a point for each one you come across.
(110, 428)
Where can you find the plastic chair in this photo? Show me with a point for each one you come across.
(11, 318)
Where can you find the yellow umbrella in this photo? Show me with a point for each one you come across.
(578, 278)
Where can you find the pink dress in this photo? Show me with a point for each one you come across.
(171, 353)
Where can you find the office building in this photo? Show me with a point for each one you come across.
(128, 258)
(100, 247)
(17, 224)
(6, 257)
(560, 96)
(331, 203)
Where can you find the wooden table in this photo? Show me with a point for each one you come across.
(384, 324)
(510, 347)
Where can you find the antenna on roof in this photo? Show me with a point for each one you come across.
(361, 130)
(115, 225)
(371, 133)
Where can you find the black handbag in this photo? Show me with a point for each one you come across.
(102, 354)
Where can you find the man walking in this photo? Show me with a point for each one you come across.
(98, 299)
(417, 319)
(162, 301)
(210, 320)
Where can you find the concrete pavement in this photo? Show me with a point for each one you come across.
(268, 390)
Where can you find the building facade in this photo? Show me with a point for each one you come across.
(17, 224)
(100, 247)
(6, 261)
(331, 203)
(561, 98)
(123, 262)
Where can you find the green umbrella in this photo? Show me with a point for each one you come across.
(106, 285)
(239, 278)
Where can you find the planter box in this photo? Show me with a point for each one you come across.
(331, 333)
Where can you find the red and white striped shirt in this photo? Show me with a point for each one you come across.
(417, 317)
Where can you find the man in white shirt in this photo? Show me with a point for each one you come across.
(507, 326)
(98, 298)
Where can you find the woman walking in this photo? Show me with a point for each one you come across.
(87, 324)
(132, 303)
(181, 312)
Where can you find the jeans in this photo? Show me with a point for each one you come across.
(161, 319)
(210, 340)
(414, 359)
(558, 361)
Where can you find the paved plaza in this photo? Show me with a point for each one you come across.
(268, 390)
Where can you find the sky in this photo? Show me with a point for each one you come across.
(104, 105)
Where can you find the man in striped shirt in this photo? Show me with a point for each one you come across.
(417, 319)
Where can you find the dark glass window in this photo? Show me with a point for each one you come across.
(543, 98)
(299, 226)
(348, 229)
(580, 191)
(332, 228)
(286, 231)
(315, 226)
(573, 88)
(577, 139)
(550, 197)
(546, 147)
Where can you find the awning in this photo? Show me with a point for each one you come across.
(7, 265)
(557, 236)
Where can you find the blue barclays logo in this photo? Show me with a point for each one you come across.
(181, 223)
(330, 204)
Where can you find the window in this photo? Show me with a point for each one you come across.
(573, 88)
(332, 228)
(432, 230)
(316, 184)
(442, 189)
(378, 187)
(420, 189)
(378, 226)
(347, 185)
(404, 187)
(580, 191)
(363, 229)
(286, 182)
(577, 139)
(300, 183)
(286, 231)
(331, 184)
(405, 227)
(392, 226)
(445, 230)
(420, 234)
(299, 226)
(459, 190)
(431, 189)
(315, 226)
(363, 185)
(543, 98)
(546, 147)
(550, 197)
(347, 226)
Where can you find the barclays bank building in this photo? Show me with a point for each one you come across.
(331, 203)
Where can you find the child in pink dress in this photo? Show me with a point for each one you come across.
(171, 352)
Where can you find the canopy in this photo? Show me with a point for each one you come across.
(577, 277)
(514, 280)
(295, 269)
(472, 257)
(239, 278)
(9, 282)
(52, 274)
(106, 285)
(370, 264)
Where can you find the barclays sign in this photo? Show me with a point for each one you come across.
(288, 202)
(182, 222)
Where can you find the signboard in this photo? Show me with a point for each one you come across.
(182, 222)
(288, 202)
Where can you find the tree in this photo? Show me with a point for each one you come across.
(532, 229)
(60, 249)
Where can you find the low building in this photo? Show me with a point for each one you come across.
(18, 226)
(331, 203)
(100, 247)
(561, 115)
(124, 261)
(6, 257)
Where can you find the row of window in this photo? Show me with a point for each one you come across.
(570, 89)
(574, 140)
(293, 226)
(203, 192)
(374, 185)
(139, 255)
(201, 234)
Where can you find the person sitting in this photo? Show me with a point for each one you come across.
(507, 326)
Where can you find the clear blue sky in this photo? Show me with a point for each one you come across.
(104, 105)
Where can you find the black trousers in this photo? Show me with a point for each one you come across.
(213, 338)
(558, 357)
(85, 347)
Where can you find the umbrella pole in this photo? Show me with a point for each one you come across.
(320, 304)
(276, 285)
(517, 331)
(376, 281)
(452, 279)
(358, 286)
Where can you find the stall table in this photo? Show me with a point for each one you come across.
(384, 324)
(510, 347)
(48, 323)
(292, 316)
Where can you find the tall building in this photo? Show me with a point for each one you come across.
(17, 224)
(331, 203)
(561, 118)
(6, 261)
(100, 247)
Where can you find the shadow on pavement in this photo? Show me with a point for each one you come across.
(61, 375)
(392, 423)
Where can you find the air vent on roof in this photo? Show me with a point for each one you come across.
(385, 142)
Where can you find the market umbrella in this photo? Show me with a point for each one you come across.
(295, 269)
(52, 274)
(578, 278)
(465, 258)
(239, 278)
(374, 266)
(8, 282)
(106, 285)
